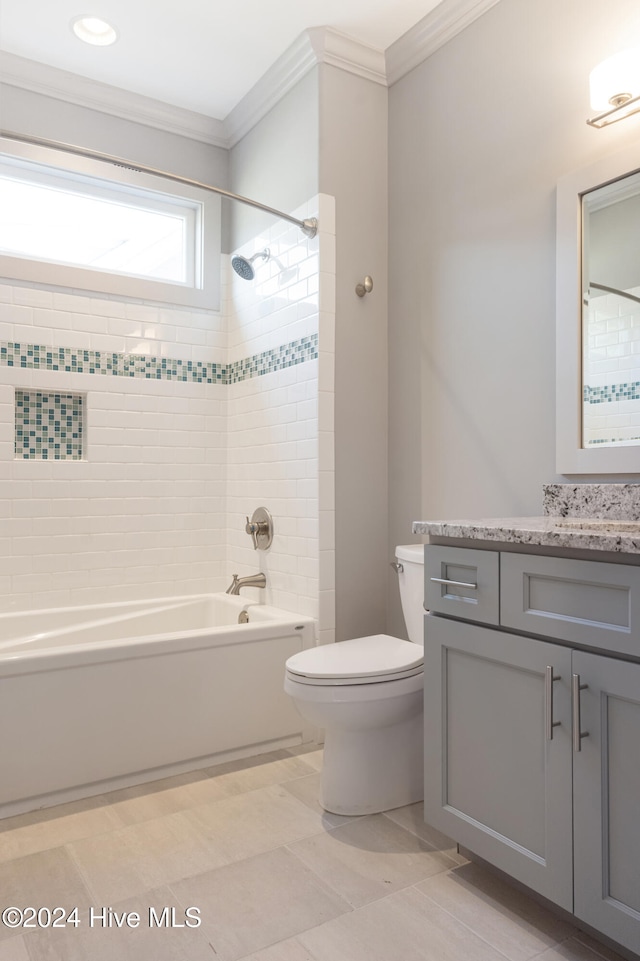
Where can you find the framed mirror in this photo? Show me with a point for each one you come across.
(598, 318)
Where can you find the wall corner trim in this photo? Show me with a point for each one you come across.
(313, 46)
(60, 84)
(447, 19)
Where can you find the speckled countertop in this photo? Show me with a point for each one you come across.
(547, 531)
(592, 517)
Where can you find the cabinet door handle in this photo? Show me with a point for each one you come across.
(549, 723)
(445, 580)
(576, 687)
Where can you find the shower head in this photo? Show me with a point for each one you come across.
(243, 266)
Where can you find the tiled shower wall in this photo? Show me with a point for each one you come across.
(612, 370)
(190, 418)
(274, 426)
(142, 514)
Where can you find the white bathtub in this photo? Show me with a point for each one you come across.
(96, 698)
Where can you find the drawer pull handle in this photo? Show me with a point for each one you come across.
(445, 580)
(576, 687)
(549, 678)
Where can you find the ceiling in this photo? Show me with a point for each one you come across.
(202, 55)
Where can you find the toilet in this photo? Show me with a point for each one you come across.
(367, 695)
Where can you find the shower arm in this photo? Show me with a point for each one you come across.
(309, 227)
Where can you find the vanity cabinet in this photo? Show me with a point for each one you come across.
(532, 724)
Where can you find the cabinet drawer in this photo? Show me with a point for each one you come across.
(584, 602)
(462, 583)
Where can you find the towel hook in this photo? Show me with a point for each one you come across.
(366, 287)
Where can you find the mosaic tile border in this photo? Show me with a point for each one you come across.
(611, 392)
(611, 440)
(146, 367)
(49, 425)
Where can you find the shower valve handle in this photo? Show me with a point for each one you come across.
(260, 527)
(253, 529)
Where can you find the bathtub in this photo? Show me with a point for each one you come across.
(102, 697)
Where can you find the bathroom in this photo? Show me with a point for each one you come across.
(441, 400)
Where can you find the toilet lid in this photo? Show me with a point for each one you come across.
(377, 656)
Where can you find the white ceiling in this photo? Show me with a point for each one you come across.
(202, 55)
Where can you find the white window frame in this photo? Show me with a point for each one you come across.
(202, 291)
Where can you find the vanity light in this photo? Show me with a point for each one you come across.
(93, 30)
(615, 88)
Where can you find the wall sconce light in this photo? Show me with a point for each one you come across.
(615, 88)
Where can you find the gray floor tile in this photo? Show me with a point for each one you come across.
(252, 904)
(275, 877)
(14, 949)
(501, 914)
(250, 774)
(576, 950)
(311, 754)
(290, 950)
(254, 822)
(369, 858)
(55, 831)
(403, 927)
(143, 856)
(411, 818)
(600, 949)
(49, 814)
(97, 940)
(47, 879)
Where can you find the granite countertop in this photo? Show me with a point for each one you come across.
(590, 517)
(546, 531)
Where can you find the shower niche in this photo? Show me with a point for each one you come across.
(49, 425)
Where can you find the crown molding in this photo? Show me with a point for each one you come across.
(446, 20)
(62, 85)
(313, 46)
(281, 77)
(339, 50)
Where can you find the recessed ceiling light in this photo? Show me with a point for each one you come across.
(93, 30)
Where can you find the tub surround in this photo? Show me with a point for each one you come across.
(592, 517)
(167, 423)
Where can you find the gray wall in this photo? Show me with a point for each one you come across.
(22, 111)
(479, 134)
(276, 162)
(353, 168)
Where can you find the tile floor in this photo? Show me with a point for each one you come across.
(273, 876)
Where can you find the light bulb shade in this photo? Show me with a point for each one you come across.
(617, 76)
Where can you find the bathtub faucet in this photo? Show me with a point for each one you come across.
(254, 580)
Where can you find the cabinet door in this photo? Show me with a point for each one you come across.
(607, 798)
(494, 780)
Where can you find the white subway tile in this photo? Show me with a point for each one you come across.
(149, 513)
(33, 297)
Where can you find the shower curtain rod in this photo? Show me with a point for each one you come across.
(309, 227)
(614, 290)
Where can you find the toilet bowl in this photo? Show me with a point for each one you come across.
(367, 695)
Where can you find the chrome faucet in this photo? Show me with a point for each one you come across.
(253, 580)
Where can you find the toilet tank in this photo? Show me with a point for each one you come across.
(411, 582)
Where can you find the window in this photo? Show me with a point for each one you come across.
(67, 221)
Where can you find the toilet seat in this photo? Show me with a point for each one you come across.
(362, 660)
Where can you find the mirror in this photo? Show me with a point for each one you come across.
(611, 314)
(598, 318)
